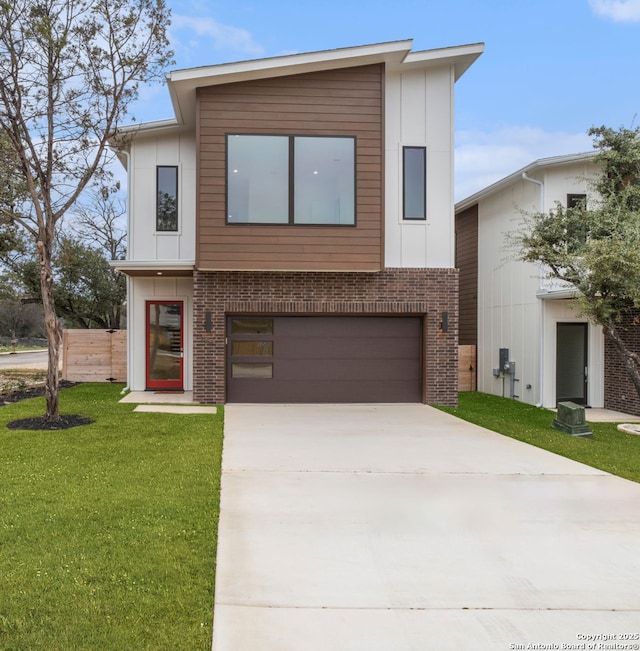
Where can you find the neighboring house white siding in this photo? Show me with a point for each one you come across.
(419, 113)
(518, 308)
(508, 314)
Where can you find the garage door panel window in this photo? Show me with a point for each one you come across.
(252, 370)
(295, 180)
(240, 326)
(252, 348)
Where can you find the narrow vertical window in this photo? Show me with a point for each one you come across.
(414, 182)
(167, 198)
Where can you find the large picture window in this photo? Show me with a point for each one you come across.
(167, 198)
(414, 182)
(290, 180)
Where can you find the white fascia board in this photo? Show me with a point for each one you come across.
(125, 134)
(290, 64)
(541, 163)
(182, 84)
(461, 57)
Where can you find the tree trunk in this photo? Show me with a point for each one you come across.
(630, 359)
(54, 335)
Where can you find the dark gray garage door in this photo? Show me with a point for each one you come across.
(324, 359)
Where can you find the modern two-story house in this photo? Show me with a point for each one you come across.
(291, 230)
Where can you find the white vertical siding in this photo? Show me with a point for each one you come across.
(157, 289)
(146, 154)
(510, 313)
(563, 311)
(419, 112)
(508, 309)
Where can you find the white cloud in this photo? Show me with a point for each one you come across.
(483, 158)
(218, 36)
(617, 10)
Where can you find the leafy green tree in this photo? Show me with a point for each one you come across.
(20, 319)
(88, 293)
(596, 247)
(69, 71)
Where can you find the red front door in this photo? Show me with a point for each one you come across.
(165, 356)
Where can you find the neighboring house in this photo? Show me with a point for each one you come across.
(554, 354)
(291, 230)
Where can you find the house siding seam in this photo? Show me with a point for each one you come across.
(393, 292)
(619, 392)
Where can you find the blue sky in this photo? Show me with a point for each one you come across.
(551, 68)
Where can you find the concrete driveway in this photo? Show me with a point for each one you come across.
(399, 527)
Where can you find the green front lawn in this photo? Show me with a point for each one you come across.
(609, 450)
(108, 531)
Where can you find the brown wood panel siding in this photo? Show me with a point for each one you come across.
(467, 263)
(345, 102)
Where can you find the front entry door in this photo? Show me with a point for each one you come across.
(571, 363)
(165, 356)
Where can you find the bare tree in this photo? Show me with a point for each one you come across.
(99, 221)
(69, 70)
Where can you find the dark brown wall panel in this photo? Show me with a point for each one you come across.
(346, 102)
(467, 263)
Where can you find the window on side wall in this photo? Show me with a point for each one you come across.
(576, 228)
(166, 198)
(576, 201)
(414, 183)
(293, 180)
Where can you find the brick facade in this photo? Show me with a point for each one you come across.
(619, 392)
(425, 292)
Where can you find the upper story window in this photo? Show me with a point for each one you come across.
(291, 180)
(167, 198)
(576, 201)
(414, 182)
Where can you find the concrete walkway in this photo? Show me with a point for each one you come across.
(393, 528)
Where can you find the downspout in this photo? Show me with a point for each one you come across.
(540, 184)
(127, 155)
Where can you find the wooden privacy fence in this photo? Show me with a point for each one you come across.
(94, 355)
(466, 368)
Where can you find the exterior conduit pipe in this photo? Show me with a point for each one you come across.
(540, 184)
(127, 154)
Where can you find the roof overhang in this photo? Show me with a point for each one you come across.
(557, 294)
(397, 55)
(540, 164)
(154, 268)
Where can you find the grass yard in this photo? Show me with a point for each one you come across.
(609, 450)
(108, 531)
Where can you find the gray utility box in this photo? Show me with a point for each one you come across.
(571, 420)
